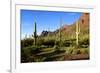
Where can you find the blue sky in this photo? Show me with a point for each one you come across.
(46, 20)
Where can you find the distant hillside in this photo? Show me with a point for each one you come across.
(69, 30)
(84, 25)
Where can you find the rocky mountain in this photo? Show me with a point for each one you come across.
(45, 33)
(83, 21)
(71, 29)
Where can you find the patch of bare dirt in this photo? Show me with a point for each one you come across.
(77, 57)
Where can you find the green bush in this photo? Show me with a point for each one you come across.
(27, 42)
(84, 43)
(49, 43)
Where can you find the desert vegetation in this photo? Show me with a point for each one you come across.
(69, 42)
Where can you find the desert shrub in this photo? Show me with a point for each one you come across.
(61, 58)
(67, 43)
(39, 59)
(84, 51)
(81, 51)
(84, 43)
(70, 50)
(58, 43)
(49, 43)
(29, 51)
(27, 42)
(76, 51)
(40, 41)
(25, 54)
(58, 58)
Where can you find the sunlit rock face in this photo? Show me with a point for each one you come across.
(84, 19)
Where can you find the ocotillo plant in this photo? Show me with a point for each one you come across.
(77, 32)
(35, 33)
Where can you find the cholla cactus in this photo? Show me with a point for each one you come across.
(77, 32)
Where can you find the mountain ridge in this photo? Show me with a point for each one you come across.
(71, 29)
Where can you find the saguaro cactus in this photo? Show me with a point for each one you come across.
(35, 33)
(60, 29)
(77, 32)
(60, 35)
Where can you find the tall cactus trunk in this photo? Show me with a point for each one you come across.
(77, 38)
(35, 33)
(60, 36)
(77, 32)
